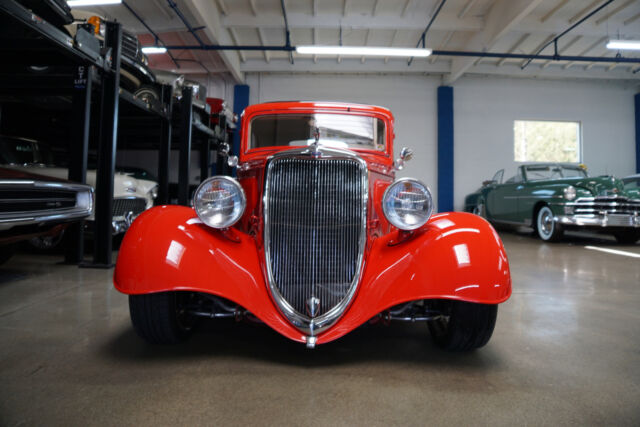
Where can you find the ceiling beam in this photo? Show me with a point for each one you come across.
(366, 42)
(614, 11)
(236, 40)
(585, 11)
(377, 66)
(466, 8)
(393, 41)
(597, 43)
(540, 46)
(223, 7)
(314, 7)
(513, 48)
(375, 8)
(263, 42)
(315, 41)
(634, 18)
(405, 9)
(564, 49)
(553, 11)
(445, 21)
(345, 6)
(254, 9)
(504, 14)
(447, 39)
(206, 13)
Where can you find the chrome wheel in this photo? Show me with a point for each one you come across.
(478, 210)
(546, 227)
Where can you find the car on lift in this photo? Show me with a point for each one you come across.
(314, 237)
(554, 197)
(131, 196)
(36, 206)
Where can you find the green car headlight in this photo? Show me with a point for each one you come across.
(570, 192)
(219, 201)
(407, 204)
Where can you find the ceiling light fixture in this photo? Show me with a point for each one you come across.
(624, 44)
(81, 3)
(150, 50)
(362, 51)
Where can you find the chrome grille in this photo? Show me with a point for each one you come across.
(122, 206)
(606, 205)
(130, 45)
(315, 212)
(34, 200)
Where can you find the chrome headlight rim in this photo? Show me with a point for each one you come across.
(428, 194)
(243, 200)
(570, 193)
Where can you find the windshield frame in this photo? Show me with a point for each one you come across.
(526, 177)
(386, 119)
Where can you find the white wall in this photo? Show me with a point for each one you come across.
(411, 99)
(484, 110)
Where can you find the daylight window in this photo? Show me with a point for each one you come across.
(546, 141)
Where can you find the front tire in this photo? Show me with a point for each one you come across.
(546, 228)
(160, 318)
(468, 325)
(627, 237)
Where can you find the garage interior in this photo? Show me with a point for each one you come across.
(566, 345)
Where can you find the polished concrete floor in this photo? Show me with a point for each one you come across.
(566, 350)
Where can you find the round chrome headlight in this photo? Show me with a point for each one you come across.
(407, 204)
(219, 201)
(570, 192)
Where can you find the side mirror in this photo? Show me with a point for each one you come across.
(406, 154)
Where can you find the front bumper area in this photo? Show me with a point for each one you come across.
(605, 220)
(614, 211)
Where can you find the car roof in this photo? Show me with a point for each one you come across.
(326, 105)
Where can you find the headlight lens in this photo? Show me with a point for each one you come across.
(570, 192)
(407, 204)
(154, 192)
(219, 201)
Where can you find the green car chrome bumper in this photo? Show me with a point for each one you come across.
(601, 212)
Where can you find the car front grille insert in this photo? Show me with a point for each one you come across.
(315, 217)
(36, 200)
(123, 206)
(606, 205)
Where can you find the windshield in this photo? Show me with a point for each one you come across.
(631, 183)
(335, 130)
(541, 172)
(15, 151)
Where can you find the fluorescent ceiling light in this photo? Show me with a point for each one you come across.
(624, 44)
(362, 51)
(150, 50)
(80, 3)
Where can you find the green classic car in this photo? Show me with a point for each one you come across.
(553, 197)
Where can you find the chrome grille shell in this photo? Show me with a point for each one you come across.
(286, 289)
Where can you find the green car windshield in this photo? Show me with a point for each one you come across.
(546, 172)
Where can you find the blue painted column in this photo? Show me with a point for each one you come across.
(445, 148)
(637, 103)
(240, 102)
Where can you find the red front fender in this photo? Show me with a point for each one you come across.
(454, 256)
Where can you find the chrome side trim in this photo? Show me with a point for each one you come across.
(306, 324)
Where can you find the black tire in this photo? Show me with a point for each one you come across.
(627, 237)
(159, 319)
(547, 229)
(6, 252)
(469, 325)
(149, 95)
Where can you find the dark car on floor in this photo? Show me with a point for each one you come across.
(33, 206)
(553, 197)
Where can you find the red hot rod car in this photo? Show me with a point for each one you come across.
(314, 238)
